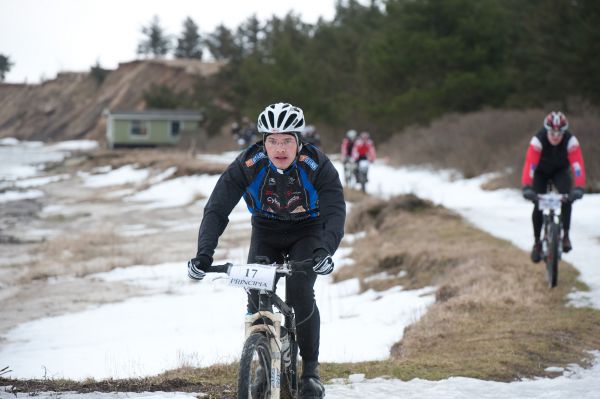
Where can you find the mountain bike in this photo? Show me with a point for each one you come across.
(550, 205)
(349, 172)
(269, 361)
(362, 173)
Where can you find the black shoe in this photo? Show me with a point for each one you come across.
(311, 388)
(536, 252)
(310, 384)
(566, 244)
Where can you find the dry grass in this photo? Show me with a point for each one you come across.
(494, 316)
(82, 254)
(156, 158)
(217, 381)
(352, 195)
(491, 141)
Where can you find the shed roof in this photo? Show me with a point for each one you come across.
(157, 114)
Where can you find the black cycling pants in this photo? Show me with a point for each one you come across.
(299, 243)
(562, 181)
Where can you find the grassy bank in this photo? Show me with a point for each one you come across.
(494, 317)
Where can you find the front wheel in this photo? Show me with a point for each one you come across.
(254, 380)
(348, 178)
(553, 255)
(348, 174)
(362, 180)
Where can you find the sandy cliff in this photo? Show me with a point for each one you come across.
(71, 106)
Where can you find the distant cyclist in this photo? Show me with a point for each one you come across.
(297, 203)
(347, 144)
(363, 148)
(246, 133)
(554, 154)
(311, 136)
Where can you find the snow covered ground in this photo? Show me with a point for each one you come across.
(184, 323)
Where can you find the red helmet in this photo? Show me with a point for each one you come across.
(556, 121)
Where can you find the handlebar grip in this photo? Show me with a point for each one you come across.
(302, 264)
(220, 268)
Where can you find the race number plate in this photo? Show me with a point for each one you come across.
(549, 201)
(253, 276)
(363, 164)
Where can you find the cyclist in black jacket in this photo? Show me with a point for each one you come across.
(297, 203)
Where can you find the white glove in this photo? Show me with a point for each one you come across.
(194, 271)
(323, 263)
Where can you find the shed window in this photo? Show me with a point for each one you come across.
(138, 128)
(175, 128)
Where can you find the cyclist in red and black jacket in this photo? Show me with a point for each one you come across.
(554, 154)
(347, 145)
(364, 148)
(297, 203)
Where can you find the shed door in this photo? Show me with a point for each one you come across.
(175, 128)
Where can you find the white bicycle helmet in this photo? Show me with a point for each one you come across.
(556, 121)
(351, 134)
(281, 118)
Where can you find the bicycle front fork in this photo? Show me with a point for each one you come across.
(272, 331)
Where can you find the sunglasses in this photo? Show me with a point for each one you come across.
(285, 142)
(555, 133)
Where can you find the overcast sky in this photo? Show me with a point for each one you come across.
(43, 37)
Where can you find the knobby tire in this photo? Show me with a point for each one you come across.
(289, 378)
(362, 180)
(552, 256)
(252, 382)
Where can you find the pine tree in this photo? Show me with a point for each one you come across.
(189, 45)
(221, 44)
(247, 35)
(155, 43)
(5, 66)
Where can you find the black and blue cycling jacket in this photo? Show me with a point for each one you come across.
(308, 192)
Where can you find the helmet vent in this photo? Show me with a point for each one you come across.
(280, 120)
(263, 120)
(288, 122)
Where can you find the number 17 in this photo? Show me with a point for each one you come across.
(248, 272)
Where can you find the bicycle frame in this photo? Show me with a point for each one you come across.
(268, 323)
(362, 172)
(550, 204)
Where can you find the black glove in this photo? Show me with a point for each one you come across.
(323, 262)
(529, 193)
(198, 266)
(575, 194)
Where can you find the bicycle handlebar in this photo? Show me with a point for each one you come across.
(224, 268)
(284, 269)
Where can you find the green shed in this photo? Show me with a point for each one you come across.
(150, 127)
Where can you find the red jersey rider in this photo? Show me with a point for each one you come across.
(553, 155)
(363, 148)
